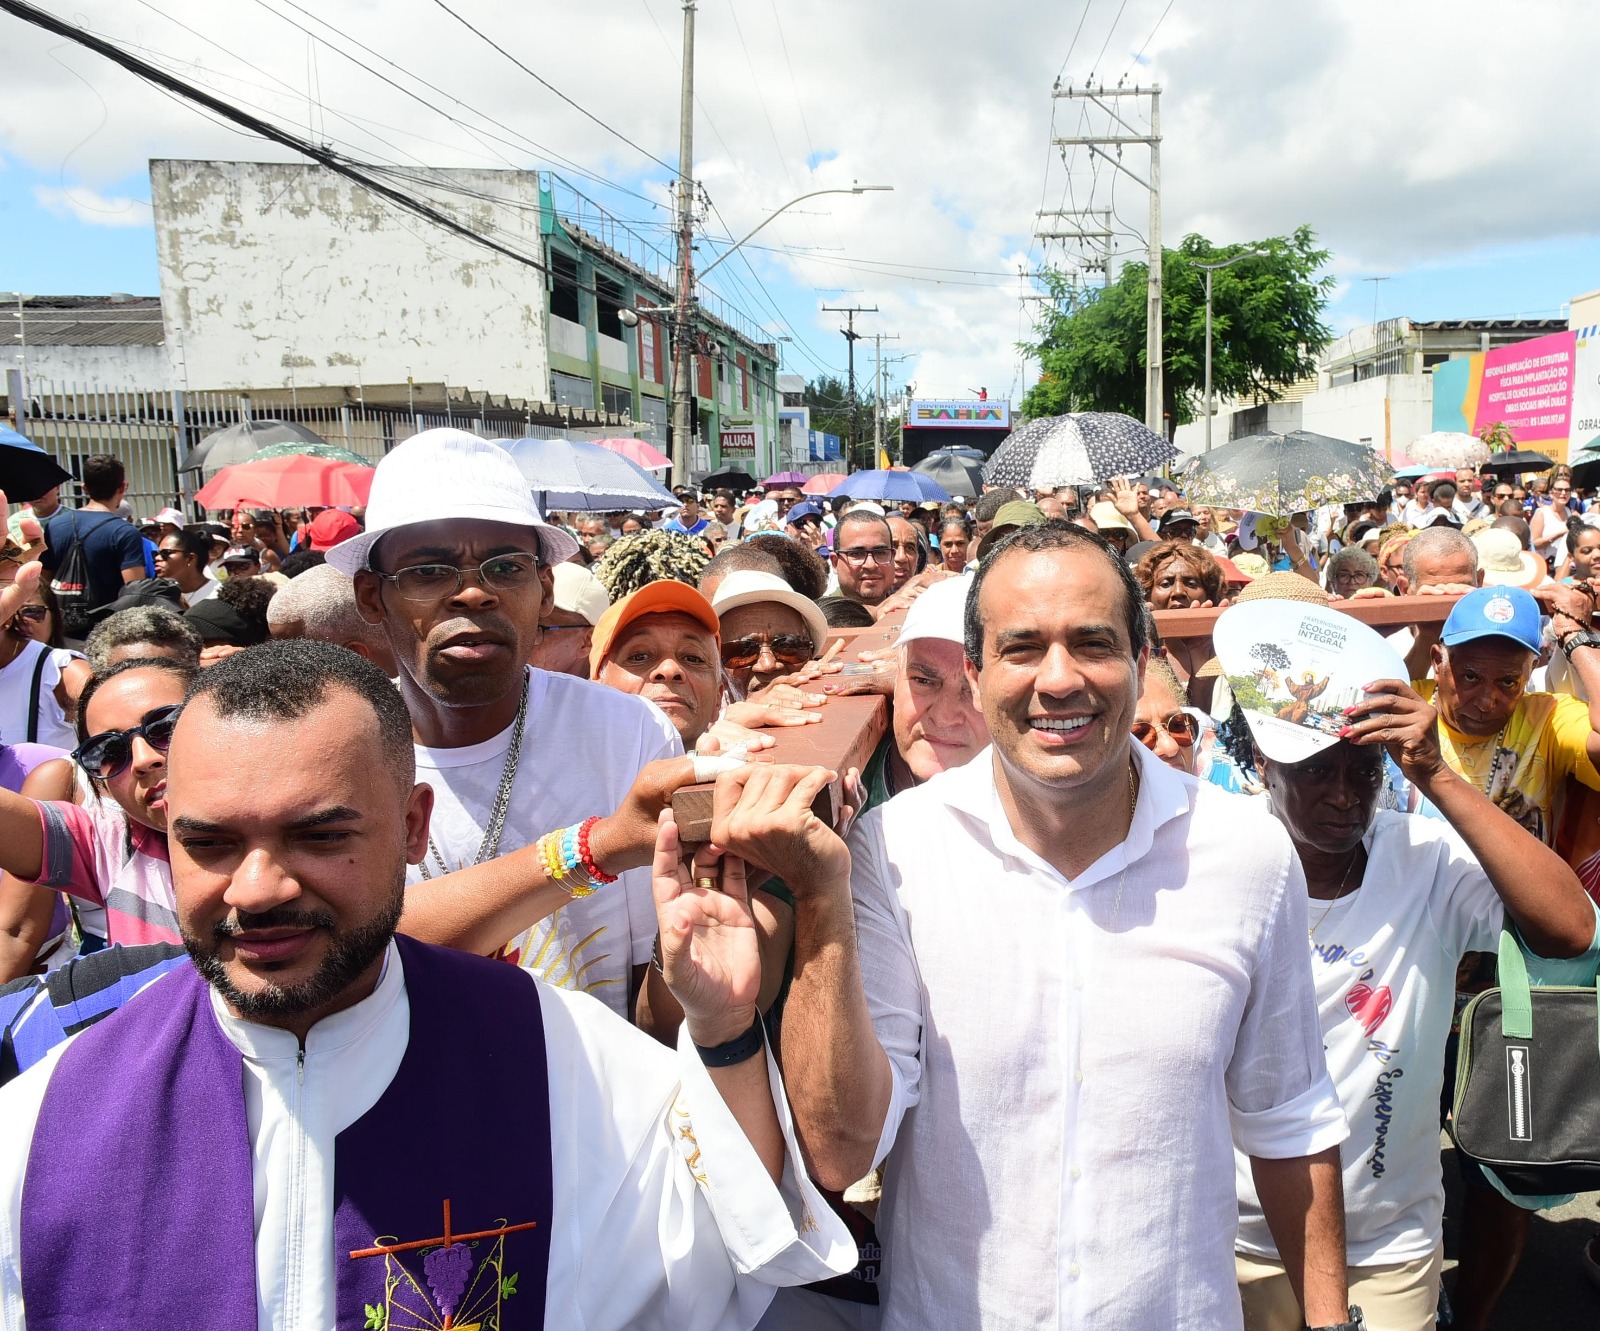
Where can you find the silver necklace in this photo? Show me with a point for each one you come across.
(1344, 882)
(489, 847)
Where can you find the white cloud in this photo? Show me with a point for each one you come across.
(92, 207)
(1407, 135)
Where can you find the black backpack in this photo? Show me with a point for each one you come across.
(71, 586)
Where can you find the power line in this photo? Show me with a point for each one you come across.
(545, 83)
(1071, 46)
(1109, 33)
(1149, 39)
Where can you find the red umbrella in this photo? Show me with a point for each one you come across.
(637, 451)
(288, 482)
(820, 485)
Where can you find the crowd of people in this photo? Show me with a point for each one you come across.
(1031, 1037)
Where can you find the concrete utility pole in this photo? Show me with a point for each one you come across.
(1099, 257)
(851, 337)
(1104, 98)
(878, 339)
(683, 412)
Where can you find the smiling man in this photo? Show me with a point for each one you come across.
(1088, 975)
(863, 557)
(455, 564)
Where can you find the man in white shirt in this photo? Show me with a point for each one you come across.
(1396, 899)
(1049, 990)
(319, 1124)
(455, 564)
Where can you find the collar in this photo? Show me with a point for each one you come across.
(262, 1043)
(973, 793)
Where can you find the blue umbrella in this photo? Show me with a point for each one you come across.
(569, 475)
(896, 486)
(1411, 473)
(26, 470)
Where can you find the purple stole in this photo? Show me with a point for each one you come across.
(138, 1204)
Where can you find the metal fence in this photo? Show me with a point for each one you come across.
(151, 432)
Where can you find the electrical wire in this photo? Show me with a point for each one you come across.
(1145, 45)
(1109, 33)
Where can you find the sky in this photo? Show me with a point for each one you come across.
(1442, 145)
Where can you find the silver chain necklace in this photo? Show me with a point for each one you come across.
(489, 847)
(1337, 897)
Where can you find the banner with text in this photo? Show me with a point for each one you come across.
(1545, 390)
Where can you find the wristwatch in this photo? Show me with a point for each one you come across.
(1356, 1322)
(1581, 638)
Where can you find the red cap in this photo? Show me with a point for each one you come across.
(329, 527)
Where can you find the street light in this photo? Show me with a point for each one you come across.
(853, 189)
(1212, 268)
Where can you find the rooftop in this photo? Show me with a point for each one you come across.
(83, 321)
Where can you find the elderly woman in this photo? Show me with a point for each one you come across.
(769, 630)
(1351, 570)
(1175, 575)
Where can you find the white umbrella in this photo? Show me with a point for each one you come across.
(569, 475)
(1445, 450)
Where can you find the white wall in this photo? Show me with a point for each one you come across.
(278, 275)
(110, 368)
(1357, 411)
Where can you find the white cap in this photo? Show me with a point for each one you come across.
(579, 592)
(940, 612)
(448, 475)
(748, 587)
(170, 515)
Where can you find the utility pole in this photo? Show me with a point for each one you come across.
(1105, 99)
(878, 340)
(1099, 259)
(851, 337)
(683, 408)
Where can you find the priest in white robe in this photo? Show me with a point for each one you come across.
(320, 1125)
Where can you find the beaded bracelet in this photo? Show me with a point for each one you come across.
(565, 862)
(586, 855)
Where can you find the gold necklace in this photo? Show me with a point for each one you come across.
(1337, 896)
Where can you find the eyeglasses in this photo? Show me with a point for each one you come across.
(1182, 728)
(787, 649)
(435, 582)
(109, 753)
(860, 554)
(34, 614)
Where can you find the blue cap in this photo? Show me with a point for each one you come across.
(1494, 612)
(805, 510)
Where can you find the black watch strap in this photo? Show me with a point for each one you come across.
(1355, 1322)
(736, 1050)
(1585, 637)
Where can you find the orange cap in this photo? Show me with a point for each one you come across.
(654, 598)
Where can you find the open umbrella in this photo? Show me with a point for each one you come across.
(1515, 461)
(332, 452)
(291, 482)
(895, 486)
(241, 442)
(822, 483)
(1084, 448)
(572, 476)
(1452, 449)
(1281, 474)
(958, 470)
(1411, 473)
(785, 478)
(636, 450)
(26, 470)
(729, 478)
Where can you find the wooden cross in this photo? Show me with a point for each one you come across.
(447, 1239)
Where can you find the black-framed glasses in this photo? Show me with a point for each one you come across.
(863, 554)
(109, 753)
(790, 649)
(435, 582)
(34, 614)
(1180, 726)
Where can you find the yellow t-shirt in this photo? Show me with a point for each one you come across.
(1522, 769)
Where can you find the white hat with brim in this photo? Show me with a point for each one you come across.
(940, 612)
(1504, 563)
(448, 476)
(579, 592)
(749, 587)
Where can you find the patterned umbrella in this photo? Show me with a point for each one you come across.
(958, 470)
(1084, 448)
(1448, 450)
(333, 452)
(1282, 474)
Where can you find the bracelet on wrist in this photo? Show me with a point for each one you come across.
(737, 1050)
(568, 861)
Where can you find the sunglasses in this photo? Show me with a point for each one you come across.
(34, 614)
(1182, 728)
(109, 753)
(787, 649)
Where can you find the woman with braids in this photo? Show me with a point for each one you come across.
(650, 556)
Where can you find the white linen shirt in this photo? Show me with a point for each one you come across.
(644, 1235)
(1073, 1061)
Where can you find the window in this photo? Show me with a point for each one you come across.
(571, 390)
(618, 401)
(607, 301)
(564, 287)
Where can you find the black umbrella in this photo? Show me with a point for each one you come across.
(26, 470)
(729, 478)
(958, 470)
(241, 442)
(1515, 461)
(1281, 474)
(1084, 448)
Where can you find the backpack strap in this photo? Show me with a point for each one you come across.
(33, 695)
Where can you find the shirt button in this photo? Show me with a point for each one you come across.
(1072, 1271)
(1077, 1077)
(1076, 1172)
(1077, 980)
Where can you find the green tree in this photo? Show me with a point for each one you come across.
(1266, 329)
(829, 400)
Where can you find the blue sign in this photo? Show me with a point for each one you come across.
(823, 447)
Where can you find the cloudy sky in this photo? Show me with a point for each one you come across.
(1445, 145)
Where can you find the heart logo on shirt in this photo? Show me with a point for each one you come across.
(1367, 1005)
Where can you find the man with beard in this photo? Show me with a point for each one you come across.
(863, 557)
(455, 564)
(321, 1124)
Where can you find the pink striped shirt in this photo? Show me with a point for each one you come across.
(100, 854)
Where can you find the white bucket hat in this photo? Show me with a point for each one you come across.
(748, 587)
(448, 475)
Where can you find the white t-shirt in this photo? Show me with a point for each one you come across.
(582, 747)
(204, 592)
(16, 688)
(1384, 960)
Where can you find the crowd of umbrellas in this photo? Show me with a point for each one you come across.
(282, 464)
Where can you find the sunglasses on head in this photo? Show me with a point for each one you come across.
(787, 649)
(109, 753)
(1180, 726)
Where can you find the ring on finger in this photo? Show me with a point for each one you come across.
(706, 884)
